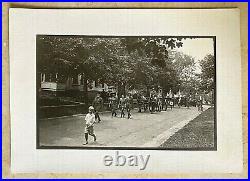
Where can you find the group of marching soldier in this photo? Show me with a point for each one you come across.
(153, 103)
(125, 104)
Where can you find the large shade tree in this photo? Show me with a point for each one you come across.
(207, 73)
(188, 77)
(133, 62)
(69, 57)
(154, 67)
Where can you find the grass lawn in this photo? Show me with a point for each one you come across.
(198, 133)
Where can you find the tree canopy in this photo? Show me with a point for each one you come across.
(134, 62)
(207, 73)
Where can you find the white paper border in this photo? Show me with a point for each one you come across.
(24, 24)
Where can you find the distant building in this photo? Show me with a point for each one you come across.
(51, 82)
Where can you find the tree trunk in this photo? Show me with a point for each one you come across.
(148, 91)
(85, 90)
(119, 91)
(124, 89)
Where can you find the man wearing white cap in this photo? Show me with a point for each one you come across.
(90, 121)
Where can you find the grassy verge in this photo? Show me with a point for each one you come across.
(198, 133)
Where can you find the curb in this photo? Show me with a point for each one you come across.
(160, 139)
(74, 115)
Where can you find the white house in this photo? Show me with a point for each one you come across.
(51, 82)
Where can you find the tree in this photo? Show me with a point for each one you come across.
(154, 68)
(143, 74)
(134, 62)
(67, 56)
(154, 47)
(207, 73)
(185, 67)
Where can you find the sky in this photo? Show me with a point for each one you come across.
(197, 48)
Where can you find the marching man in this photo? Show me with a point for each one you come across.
(129, 105)
(113, 105)
(122, 105)
(98, 104)
(90, 121)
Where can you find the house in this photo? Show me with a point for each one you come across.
(54, 83)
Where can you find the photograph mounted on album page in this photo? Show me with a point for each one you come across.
(125, 90)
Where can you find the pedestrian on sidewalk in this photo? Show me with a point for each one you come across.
(98, 104)
(89, 128)
(122, 105)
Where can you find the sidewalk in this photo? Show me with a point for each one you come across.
(143, 130)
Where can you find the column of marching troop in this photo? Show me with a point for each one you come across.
(154, 103)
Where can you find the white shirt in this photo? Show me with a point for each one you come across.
(90, 118)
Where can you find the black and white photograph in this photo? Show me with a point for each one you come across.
(126, 92)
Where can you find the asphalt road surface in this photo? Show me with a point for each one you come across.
(112, 132)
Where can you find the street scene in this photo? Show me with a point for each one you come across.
(126, 92)
(139, 131)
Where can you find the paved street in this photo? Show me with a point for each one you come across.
(138, 131)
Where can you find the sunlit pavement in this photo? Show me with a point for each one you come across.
(113, 132)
